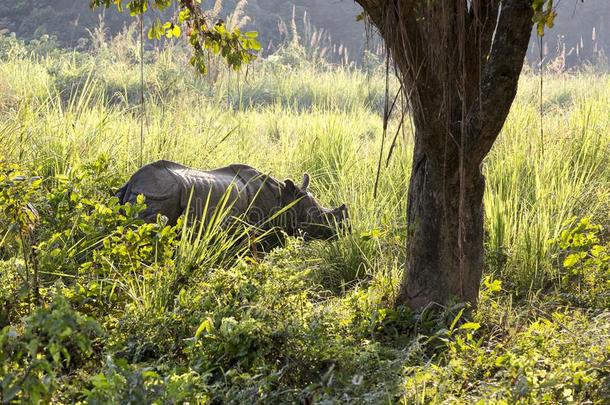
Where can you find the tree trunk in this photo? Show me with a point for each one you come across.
(445, 230)
(460, 62)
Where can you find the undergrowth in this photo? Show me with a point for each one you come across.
(98, 307)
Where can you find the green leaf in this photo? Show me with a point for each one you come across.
(11, 393)
(150, 374)
(492, 285)
(571, 260)
(598, 251)
(456, 319)
(367, 235)
(544, 15)
(470, 326)
(255, 45)
(206, 326)
(184, 15)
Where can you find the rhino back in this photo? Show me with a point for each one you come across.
(157, 181)
(210, 188)
(251, 192)
(263, 193)
(171, 188)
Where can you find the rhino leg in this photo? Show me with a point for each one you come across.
(169, 207)
(123, 192)
(161, 189)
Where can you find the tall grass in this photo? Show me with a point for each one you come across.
(61, 112)
(534, 183)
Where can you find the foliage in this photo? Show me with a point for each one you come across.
(50, 343)
(203, 35)
(544, 15)
(120, 382)
(585, 266)
(16, 192)
(544, 363)
(159, 314)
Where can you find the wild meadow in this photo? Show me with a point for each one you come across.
(97, 307)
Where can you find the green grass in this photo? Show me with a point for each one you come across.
(325, 306)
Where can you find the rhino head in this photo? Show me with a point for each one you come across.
(306, 217)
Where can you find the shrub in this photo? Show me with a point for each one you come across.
(53, 341)
(585, 263)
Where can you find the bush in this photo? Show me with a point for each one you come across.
(48, 344)
(584, 272)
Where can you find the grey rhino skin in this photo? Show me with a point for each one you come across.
(167, 187)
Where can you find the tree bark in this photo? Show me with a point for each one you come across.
(460, 61)
(445, 230)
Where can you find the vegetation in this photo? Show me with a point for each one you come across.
(98, 307)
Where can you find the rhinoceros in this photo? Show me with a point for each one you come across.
(261, 200)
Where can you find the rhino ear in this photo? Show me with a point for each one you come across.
(305, 185)
(290, 186)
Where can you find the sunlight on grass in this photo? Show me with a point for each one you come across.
(189, 310)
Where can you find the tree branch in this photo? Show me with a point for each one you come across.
(500, 76)
(374, 9)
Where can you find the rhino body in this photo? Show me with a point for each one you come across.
(170, 188)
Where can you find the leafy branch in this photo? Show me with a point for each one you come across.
(544, 15)
(205, 36)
